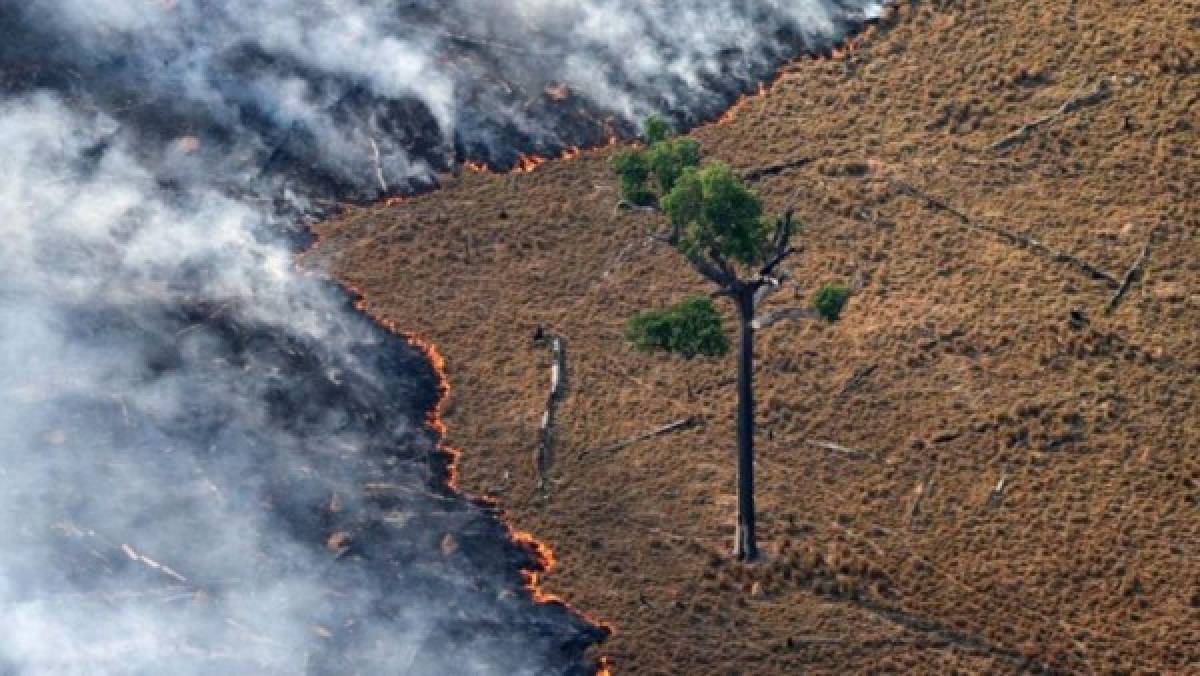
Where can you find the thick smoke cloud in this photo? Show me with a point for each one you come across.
(356, 97)
(209, 462)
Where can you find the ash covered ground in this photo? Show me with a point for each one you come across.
(211, 462)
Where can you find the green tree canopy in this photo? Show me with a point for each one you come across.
(669, 159)
(711, 210)
(633, 170)
(664, 159)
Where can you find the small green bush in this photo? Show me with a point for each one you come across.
(689, 328)
(830, 300)
(632, 168)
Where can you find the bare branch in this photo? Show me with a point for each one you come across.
(783, 231)
(718, 277)
(720, 261)
(768, 270)
(779, 244)
(769, 287)
(786, 314)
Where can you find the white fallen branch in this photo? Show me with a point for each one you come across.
(152, 564)
(544, 453)
(378, 166)
(838, 448)
(997, 494)
(786, 314)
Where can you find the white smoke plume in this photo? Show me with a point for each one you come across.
(209, 462)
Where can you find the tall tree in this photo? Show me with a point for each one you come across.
(718, 225)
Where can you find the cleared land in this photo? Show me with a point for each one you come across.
(1025, 486)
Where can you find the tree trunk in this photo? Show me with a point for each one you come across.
(745, 546)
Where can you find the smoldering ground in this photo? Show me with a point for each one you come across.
(210, 463)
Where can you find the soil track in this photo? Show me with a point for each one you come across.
(968, 360)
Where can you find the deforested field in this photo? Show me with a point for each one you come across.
(990, 464)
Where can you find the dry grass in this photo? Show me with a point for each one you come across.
(1091, 558)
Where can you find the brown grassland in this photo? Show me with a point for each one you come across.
(1025, 487)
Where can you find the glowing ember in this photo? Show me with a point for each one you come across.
(558, 92)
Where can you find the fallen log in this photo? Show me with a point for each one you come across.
(1089, 98)
(677, 426)
(838, 448)
(857, 379)
(543, 455)
(759, 173)
(1022, 241)
(786, 314)
(1132, 276)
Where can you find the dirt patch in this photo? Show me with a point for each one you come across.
(1026, 485)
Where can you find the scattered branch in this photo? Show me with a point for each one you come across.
(922, 490)
(997, 494)
(759, 173)
(855, 381)
(786, 314)
(626, 205)
(1022, 241)
(1096, 95)
(838, 448)
(677, 426)
(1132, 276)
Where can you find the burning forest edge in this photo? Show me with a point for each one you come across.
(163, 181)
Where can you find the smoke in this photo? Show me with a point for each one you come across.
(209, 462)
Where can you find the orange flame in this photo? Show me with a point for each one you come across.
(527, 163)
(540, 552)
(742, 101)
